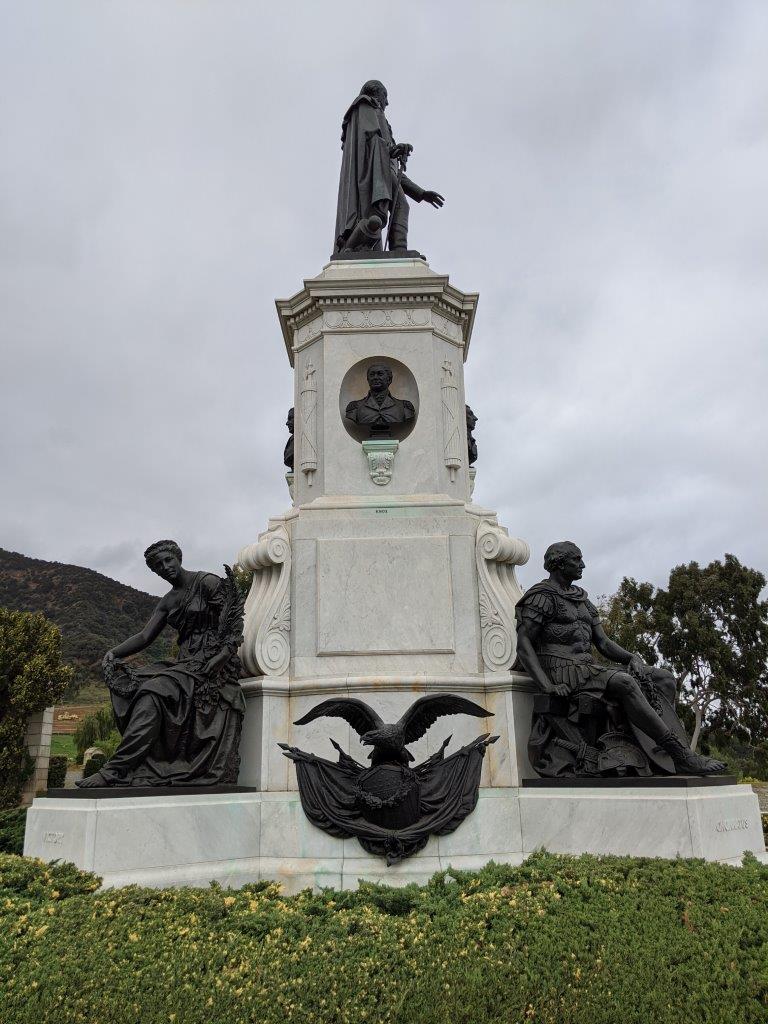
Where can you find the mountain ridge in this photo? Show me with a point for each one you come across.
(93, 611)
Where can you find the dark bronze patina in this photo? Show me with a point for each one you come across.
(180, 720)
(379, 411)
(288, 452)
(390, 807)
(471, 442)
(373, 185)
(592, 718)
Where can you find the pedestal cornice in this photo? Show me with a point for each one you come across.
(396, 295)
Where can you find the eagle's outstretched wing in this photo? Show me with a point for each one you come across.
(359, 715)
(426, 711)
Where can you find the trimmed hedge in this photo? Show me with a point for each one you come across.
(57, 772)
(93, 764)
(580, 940)
(12, 825)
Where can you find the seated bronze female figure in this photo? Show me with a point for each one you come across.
(180, 720)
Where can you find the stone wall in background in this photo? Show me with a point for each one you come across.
(38, 741)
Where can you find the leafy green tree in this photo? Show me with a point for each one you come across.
(93, 729)
(710, 628)
(32, 677)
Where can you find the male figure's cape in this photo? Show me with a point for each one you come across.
(368, 173)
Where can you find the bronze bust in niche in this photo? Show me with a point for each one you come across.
(379, 411)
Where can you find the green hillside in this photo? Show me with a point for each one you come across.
(92, 611)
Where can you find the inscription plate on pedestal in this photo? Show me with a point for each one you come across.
(384, 595)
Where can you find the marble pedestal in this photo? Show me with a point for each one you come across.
(235, 838)
(383, 581)
(272, 706)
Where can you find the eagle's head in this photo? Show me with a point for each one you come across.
(389, 736)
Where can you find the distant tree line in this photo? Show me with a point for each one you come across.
(32, 677)
(709, 626)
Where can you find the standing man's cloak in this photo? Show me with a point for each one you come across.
(367, 173)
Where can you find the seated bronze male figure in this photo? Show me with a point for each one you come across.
(379, 411)
(180, 720)
(599, 719)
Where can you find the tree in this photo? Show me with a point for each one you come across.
(94, 729)
(32, 677)
(710, 628)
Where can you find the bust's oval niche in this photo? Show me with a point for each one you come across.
(354, 388)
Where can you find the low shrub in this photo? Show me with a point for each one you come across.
(94, 727)
(28, 885)
(57, 772)
(744, 760)
(93, 764)
(12, 825)
(32, 677)
(579, 940)
(110, 744)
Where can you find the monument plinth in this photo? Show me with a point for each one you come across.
(384, 584)
(381, 582)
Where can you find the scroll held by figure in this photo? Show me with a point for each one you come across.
(373, 185)
(594, 718)
(390, 807)
(181, 719)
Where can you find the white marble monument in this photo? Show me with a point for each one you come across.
(382, 581)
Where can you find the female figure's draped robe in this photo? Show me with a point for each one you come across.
(179, 726)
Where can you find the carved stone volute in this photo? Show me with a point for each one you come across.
(499, 591)
(266, 648)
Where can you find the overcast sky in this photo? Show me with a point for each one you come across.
(169, 168)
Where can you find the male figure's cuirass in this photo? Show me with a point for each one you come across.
(570, 625)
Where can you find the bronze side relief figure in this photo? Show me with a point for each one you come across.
(288, 450)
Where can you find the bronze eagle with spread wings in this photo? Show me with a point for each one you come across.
(389, 740)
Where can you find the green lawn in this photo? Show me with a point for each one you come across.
(63, 746)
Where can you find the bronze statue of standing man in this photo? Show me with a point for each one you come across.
(373, 184)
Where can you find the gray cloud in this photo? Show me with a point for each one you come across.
(168, 169)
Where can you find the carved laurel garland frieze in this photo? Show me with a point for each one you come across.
(499, 591)
(360, 319)
(308, 332)
(380, 312)
(266, 646)
(447, 328)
